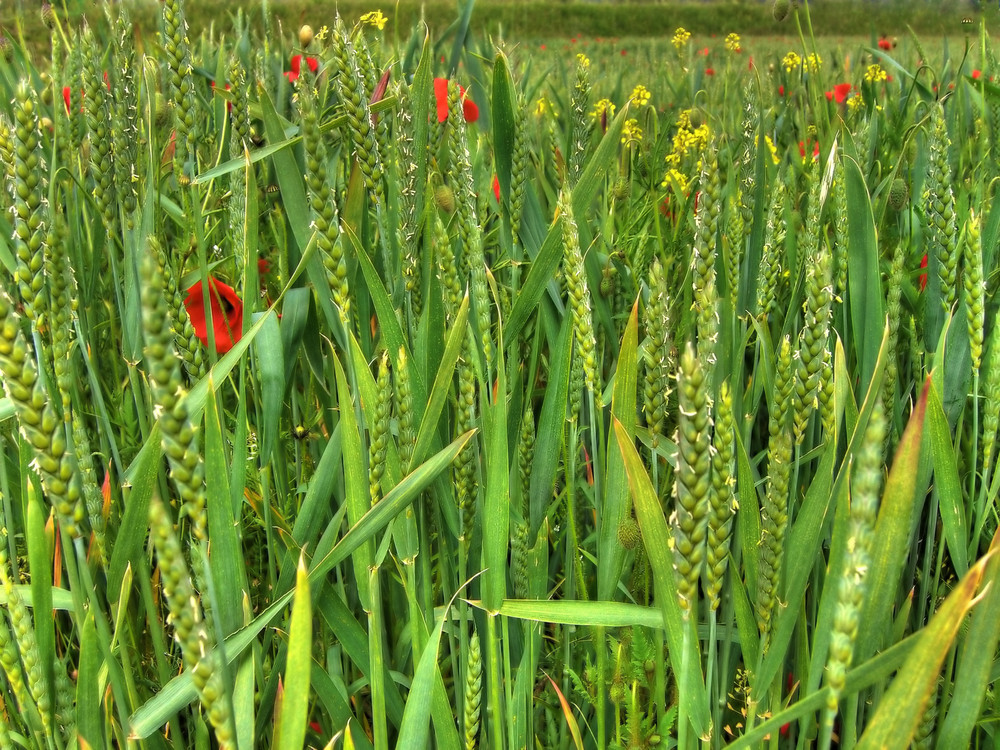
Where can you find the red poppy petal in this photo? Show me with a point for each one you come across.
(441, 98)
(470, 110)
(227, 324)
(840, 92)
(313, 64)
(66, 98)
(496, 187)
(296, 63)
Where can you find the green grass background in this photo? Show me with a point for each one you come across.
(532, 20)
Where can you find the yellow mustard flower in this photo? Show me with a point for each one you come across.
(791, 62)
(813, 62)
(631, 132)
(770, 147)
(855, 103)
(681, 37)
(604, 106)
(874, 74)
(640, 96)
(375, 18)
(542, 106)
(733, 42)
(676, 179)
(583, 60)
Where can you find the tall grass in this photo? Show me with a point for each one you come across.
(570, 402)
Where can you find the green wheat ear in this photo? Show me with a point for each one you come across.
(692, 478)
(939, 204)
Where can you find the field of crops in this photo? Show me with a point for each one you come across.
(370, 392)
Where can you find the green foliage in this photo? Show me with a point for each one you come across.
(486, 384)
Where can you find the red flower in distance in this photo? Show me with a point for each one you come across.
(469, 109)
(976, 74)
(227, 314)
(923, 276)
(293, 74)
(839, 93)
(781, 90)
(709, 71)
(884, 44)
(803, 145)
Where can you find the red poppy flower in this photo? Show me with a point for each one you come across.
(469, 109)
(803, 145)
(624, 52)
(705, 52)
(293, 74)
(496, 187)
(923, 276)
(976, 74)
(781, 90)
(709, 71)
(227, 314)
(66, 98)
(839, 93)
(885, 44)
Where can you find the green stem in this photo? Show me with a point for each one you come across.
(377, 656)
(496, 704)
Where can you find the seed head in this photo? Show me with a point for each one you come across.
(899, 194)
(629, 534)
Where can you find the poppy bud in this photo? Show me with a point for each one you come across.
(445, 198)
(305, 35)
(48, 15)
(629, 534)
(781, 9)
(899, 194)
(696, 118)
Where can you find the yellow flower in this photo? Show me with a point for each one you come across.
(875, 73)
(855, 102)
(791, 62)
(542, 106)
(374, 18)
(770, 146)
(583, 60)
(733, 43)
(681, 37)
(604, 106)
(813, 62)
(640, 96)
(631, 132)
(675, 178)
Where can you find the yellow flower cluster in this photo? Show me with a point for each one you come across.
(688, 139)
(812, 63)
(791, 62)
(542, 106)
(854, 103)
(374, 18)
(604, 106)
(874, 74)
(640, 96)
(631, 132)
(733, 43)
(583, 60)
(770, 147)
(681, 37)
(676, 179)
